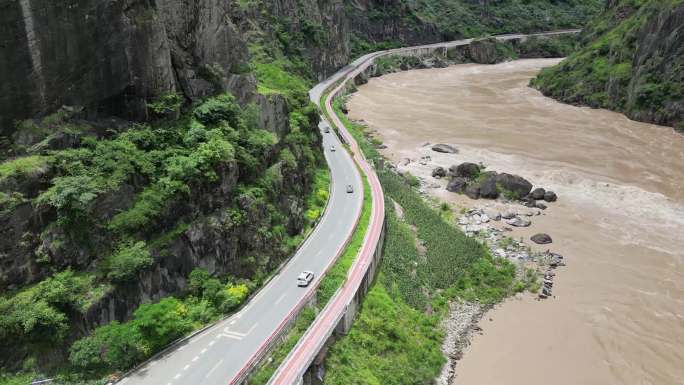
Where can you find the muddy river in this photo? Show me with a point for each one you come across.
(618, 312)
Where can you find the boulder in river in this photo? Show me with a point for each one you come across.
(540, 205)
(541, 238)
(439, 172)
(466, 170)
(550, 196)
(472, 191)
(519, 222)
(538, 193)
(488, 187)
(457, 185)
(444, 148)
(515, 185)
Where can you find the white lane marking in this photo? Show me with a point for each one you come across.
(195, 359)
(177, 376)
(279, 299)
(214, 368)
(252, 328)
(231, 336)
(186, 367)
(212, 342)
(233, 322)
(204, 350)
(125, 380)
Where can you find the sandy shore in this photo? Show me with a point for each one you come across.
(618, 312)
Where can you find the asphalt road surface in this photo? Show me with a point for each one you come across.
(216, 356)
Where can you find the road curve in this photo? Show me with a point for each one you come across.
(224, 352)
(302, 355)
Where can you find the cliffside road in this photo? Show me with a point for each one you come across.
(222, 353)
(218, 354)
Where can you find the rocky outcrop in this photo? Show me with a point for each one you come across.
(444, 148)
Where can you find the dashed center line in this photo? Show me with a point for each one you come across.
(279, 299)
(205, 349)
(177, 376)
(214, 368)
(195, 359)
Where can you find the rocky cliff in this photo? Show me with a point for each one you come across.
(632, 61)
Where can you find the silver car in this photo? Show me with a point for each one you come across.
(332, 148)
(305, 278)
(350, 189)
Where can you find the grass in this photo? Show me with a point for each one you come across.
(23, 166)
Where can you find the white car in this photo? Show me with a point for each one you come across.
(305, 278)
(332, 148)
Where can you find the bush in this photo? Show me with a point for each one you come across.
(162, 322)
(129, 259)
(113, 347)
(71, 196)
(217, 109)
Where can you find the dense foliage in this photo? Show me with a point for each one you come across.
(631, 62)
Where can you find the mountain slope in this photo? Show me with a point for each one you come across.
(632, 61)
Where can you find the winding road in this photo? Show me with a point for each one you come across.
(225, 352)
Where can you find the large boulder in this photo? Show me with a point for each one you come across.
(444, 148)
(519, 222)
(550, 196)
(473, 191)
(457, 185)
(541, 238)
(489, 188)
(466, 170)
(538, 193)
(517, 186)
(439, 172)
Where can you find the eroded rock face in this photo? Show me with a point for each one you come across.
(466, 170)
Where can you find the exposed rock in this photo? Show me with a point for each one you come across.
(538, 193)
(540, 205)
(550, 196)
(439, 172)
(457, 185)
(516, 184)
(508, 214)
(472, 191)
(493, 215)
(519, 222)
(444, 148)
(489, 188)
(466, 170)
(541, 238)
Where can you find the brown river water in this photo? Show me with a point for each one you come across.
(618, 312)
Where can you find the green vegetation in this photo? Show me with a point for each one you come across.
(455, 19)
(396, 338)
(601, 73)
(22, 166)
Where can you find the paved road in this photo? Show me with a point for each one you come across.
(218, 354)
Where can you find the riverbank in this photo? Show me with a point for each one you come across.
(616, 317)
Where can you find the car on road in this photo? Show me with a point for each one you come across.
(305, 278)
(332, 148)
(326, 129)
(350, 189)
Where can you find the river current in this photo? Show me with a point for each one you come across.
(618, 312)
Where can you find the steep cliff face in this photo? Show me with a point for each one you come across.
(632, 61)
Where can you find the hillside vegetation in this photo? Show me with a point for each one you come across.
(632, 61)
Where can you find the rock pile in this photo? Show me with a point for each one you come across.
(472, 180)
(478, 222)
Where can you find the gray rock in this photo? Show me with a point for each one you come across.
(550, 196)
(541, 238)
(519, 222)
(466, 170)
(516, 185)
(508, 214)
(472, 191)
(538, 193)
(489, 188)
(439, 172)
(493, 215)
(457, 185)
(444, 148)
(540, 205)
